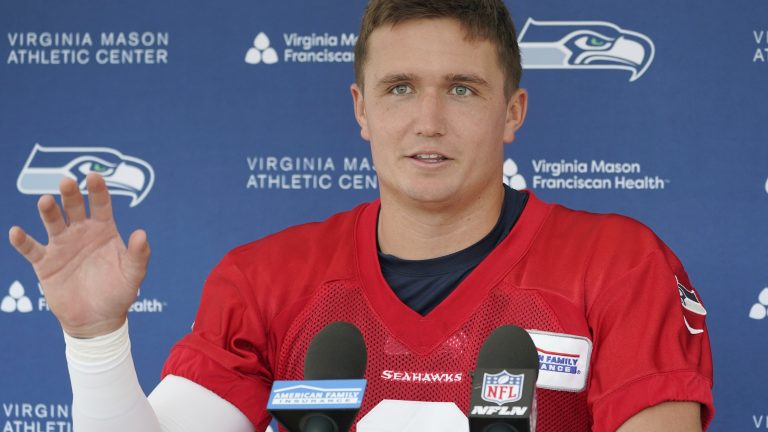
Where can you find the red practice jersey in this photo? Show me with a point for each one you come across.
(616, 322)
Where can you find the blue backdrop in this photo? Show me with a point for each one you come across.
(221, 123)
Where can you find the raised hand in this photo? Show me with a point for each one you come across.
(89, 277)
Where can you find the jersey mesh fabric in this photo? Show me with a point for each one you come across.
(601, 277)
(345, 301)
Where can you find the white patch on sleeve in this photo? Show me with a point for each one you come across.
(563, 360)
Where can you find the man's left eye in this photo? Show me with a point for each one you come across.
(461, 91)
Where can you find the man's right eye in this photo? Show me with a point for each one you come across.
(401, 89)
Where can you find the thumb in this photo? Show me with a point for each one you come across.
(137, 257)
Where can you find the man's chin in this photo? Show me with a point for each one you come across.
(427, 196)
(437, 195)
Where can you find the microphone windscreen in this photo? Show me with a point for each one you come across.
(508, 347)
(337, 352)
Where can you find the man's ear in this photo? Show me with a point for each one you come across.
(360, 115)
(517, 106)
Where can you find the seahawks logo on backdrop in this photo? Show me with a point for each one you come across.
(124, 175)
(584, 45)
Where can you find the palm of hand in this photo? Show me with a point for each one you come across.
(89, 277)
(82, 276)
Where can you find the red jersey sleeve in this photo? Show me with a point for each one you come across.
(650, 346)
(226, 352)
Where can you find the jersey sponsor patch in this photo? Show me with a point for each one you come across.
(563, 360)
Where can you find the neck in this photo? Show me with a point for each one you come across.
(417, 231)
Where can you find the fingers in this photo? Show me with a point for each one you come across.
(98, 198)
(72, 200)
(137, 256)
(51, 215)
(28, 247)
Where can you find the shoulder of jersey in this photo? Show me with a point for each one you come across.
(604, 234)
(310, 245)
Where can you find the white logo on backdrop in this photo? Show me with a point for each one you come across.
(16, 300)
(511, 176)
(302, 48)
(584, 45)
(261, 52)
(124, 175)
(759, 310)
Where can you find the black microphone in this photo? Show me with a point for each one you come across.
(337, 352)
(332, 391)
(504, 383)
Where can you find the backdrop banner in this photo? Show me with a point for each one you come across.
(218, 124)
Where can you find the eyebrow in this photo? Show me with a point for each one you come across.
(395, 78)
(467, 78)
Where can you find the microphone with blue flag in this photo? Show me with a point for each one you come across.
(331, 394)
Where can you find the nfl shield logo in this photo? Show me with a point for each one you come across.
(502, 387)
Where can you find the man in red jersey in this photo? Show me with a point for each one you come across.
(427, 272)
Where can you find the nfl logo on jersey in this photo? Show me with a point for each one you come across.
(502, 387)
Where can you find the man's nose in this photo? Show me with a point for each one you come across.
(431, 120)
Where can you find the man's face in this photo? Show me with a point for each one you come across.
(434, 111)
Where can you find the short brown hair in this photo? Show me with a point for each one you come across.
(481, 19)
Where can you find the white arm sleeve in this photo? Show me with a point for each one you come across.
(107, 396)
